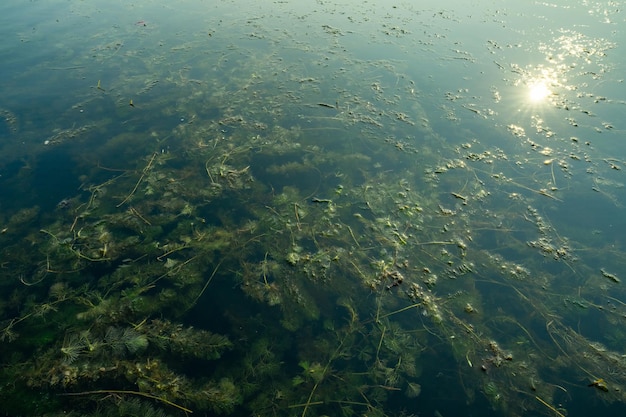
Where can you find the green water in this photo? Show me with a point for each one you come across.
(298, 208)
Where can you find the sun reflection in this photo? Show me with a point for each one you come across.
(538, 91)
(540, 86)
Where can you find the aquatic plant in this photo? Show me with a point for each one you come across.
(72, 347)
(280, 242)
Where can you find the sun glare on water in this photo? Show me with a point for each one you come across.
(539, 88)
(538, 91)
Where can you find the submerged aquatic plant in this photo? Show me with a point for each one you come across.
(125, 340)
(222, 397)
(413, 389)
(369, 246)
(72, 347)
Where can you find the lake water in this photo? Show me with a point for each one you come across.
(312, 208)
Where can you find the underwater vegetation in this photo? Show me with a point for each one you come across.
(335, 296)
(250, 237)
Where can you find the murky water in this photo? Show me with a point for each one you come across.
(299, 208)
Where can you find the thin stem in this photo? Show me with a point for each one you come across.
(141, 394)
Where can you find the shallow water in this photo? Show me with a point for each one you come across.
(312, 208)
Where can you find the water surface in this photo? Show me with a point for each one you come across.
(294, 208)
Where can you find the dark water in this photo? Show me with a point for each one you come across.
(293, 208)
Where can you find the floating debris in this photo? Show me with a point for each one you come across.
(610, 276)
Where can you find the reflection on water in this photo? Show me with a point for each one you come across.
(539, 90)
(271, 208)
